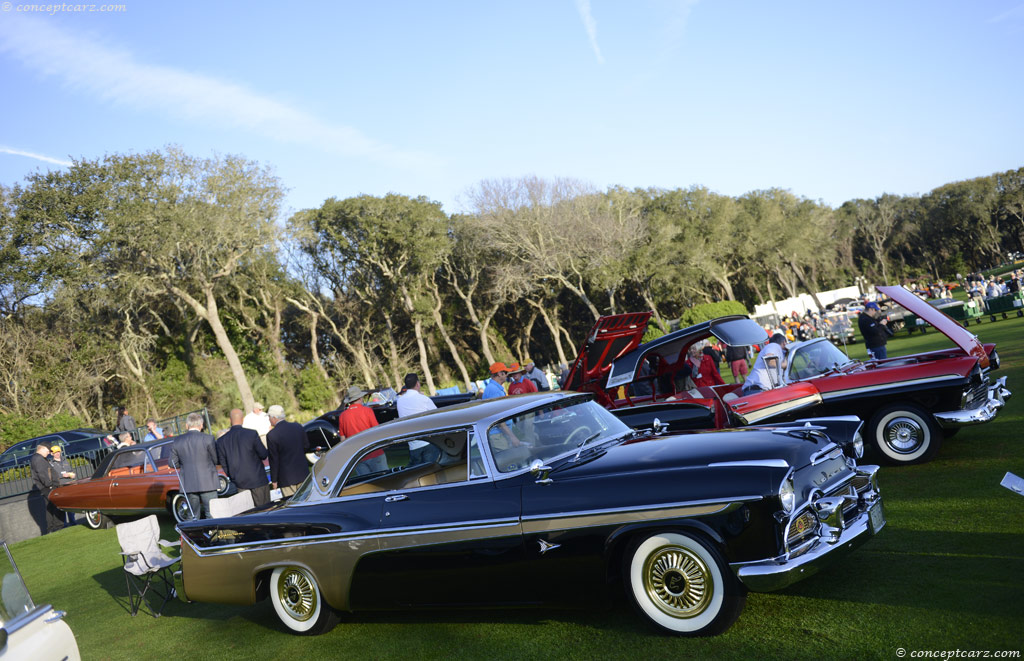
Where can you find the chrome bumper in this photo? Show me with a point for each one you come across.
(832, 544)
(998, 393)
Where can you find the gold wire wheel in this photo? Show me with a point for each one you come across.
(297, 593)
(678, 582)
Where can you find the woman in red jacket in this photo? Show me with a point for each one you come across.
(702, 367)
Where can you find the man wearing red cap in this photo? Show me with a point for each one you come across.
(493, 386)
(518, 384)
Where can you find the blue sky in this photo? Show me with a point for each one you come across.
(830, 100)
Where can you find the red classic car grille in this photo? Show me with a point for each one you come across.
(801, 529)
(976, 396)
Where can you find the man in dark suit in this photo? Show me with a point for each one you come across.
(241, 454)
(44, 480)
(195, 454)
(286, 444)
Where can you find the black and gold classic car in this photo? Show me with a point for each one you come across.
(542, 499)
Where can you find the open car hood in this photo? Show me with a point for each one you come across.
(611, 337)
(736, 330)
(946, 325)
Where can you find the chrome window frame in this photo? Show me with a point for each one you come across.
(339, 482)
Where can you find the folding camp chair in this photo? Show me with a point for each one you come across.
(225, 507)
(146, 567)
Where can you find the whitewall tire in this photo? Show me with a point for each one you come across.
(299, 603)
(682, 585)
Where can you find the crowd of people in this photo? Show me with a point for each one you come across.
(260, 435)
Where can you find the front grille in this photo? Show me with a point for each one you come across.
(976, 396)
(801, 529)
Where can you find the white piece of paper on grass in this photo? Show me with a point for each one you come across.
(1014, 483)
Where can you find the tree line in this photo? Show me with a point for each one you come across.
(166, 281)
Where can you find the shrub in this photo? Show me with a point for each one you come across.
(706, 311)
(16, 428)
(314, 391)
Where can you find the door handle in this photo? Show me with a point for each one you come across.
(395, 499)
(115, 484)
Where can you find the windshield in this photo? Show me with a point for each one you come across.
(14, 597)
(815, 358)
(550, 431)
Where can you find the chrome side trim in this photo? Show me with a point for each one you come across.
(373, 533)
(723, 502)
(838, 394)
(783, 407)
(573, 521)
(764, 463)
(536, 523)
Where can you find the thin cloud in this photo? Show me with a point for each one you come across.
(117, 78)
(590, 25)
(38, 157)
(1016, 12)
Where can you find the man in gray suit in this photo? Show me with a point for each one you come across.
(195, 454)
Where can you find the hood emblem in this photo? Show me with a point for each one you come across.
(546, 546)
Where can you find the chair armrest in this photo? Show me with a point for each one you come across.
(164, 542)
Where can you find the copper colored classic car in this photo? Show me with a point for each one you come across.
(133, 480)
(909, 403)
(543, 498)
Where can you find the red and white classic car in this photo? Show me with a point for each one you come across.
(910, 403)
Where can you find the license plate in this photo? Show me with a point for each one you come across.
(876, 517)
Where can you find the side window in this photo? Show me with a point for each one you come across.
(438, 458)
(476, 460)
(134, 461)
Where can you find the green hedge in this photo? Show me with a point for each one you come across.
(706, 311)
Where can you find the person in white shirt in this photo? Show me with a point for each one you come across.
(412, 400)
(257, 419)
(768, 368)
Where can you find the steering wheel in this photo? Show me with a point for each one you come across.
(513, 458)
(577, 436)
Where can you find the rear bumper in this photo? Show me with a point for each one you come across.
(998, 393)
(783, 571)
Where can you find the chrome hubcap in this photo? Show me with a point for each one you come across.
(904, 435)
(678, 582)
(296, 593)
(93, 518)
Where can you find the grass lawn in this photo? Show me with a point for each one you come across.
(947, 573)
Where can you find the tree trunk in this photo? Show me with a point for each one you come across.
(274, 339)
(394, 350)
(452, 348)
(417, 327)
(552, 328)
(210, 314)
(134, 365)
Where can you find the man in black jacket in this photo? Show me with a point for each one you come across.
(286, 444)
(196, 455)
(44, 480)
(241, 453)
(874, 329)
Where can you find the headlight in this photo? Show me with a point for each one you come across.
(858, 445)
(787, 495)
